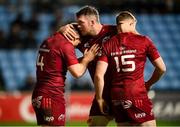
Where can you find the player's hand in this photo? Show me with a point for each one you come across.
(91, 53)
(68, 31)
(102, 106)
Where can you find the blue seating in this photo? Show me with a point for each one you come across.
(16, 65)
(106, 19)
(69, 13)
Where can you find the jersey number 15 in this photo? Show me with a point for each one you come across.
(124, 61)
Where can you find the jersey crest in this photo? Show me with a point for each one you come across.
(86, 45)
(106, 38)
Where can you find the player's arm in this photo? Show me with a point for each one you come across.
(101, 68)
(77, 70)
(68, 31)
(159, 70)
(80, 59)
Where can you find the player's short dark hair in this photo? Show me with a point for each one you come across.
(88, 10)
(75, 25)
(124, 15)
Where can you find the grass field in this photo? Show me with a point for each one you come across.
(73, 123)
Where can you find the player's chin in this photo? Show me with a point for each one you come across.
(76, 44)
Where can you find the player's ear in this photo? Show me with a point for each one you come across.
(131, 23)
(92, 22)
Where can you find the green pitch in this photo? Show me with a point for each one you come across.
(83, 123)
(159, 123)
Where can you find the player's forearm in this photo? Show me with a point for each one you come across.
(99, 85)
(81, 69)
(157, 74)
(160, 69)
(80, 59)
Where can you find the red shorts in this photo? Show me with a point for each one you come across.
(133, 111)
(49, 109)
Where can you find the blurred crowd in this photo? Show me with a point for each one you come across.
(20, 35)
(24, 25)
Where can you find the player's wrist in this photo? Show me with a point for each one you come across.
(86, 59)
(99, 98)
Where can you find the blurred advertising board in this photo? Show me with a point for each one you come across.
(166, 105)
(17, 107)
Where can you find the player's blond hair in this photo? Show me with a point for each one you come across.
(124, 15)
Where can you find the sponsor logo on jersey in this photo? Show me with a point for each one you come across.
(86, 45)
(36, 102)
(100, 52)
(61, 117)
(139, 115)
(49, 118)
(126, 104)
(105, 39)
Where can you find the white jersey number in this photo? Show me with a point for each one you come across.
(125, 62)
(39, 61)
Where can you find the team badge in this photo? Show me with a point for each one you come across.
(37, 101)
(61, 117)
(86, 45)
(105, 39)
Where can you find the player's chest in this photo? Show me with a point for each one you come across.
(90, 42)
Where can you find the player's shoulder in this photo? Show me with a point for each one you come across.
(56, 41)
(53, 38)
(138, 35)
(58, 37)
(112, 40)
(141, 37)
(147, 39)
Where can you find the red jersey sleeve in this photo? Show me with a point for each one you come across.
(69, 54)
(152, 52)
(104, 52)
(103, 57)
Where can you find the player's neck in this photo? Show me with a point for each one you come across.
(131, 31)
(97, 29)
(135, 32)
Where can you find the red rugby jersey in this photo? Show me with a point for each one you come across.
(126, 54)
(105, 34)
(54, 56)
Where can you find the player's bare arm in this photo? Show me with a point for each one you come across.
(160, 69)
(101, 68)
(79, 69)
(68, 31)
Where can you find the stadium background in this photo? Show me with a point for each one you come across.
(25, 23)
